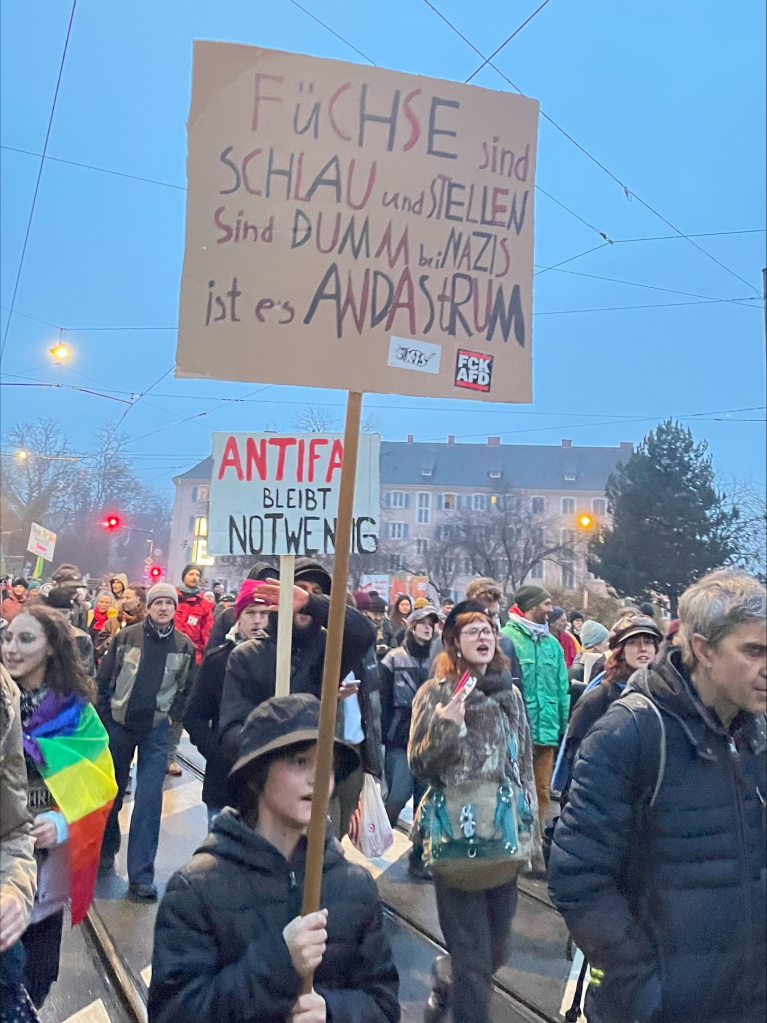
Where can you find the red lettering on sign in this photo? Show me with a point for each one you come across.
(231, 457)
(336, 460)
(314, 443)
(283, 443)
(255, 457)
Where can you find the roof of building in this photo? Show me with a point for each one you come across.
(200, 473)
(522, 466)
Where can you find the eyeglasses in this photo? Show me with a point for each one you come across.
(481, 632)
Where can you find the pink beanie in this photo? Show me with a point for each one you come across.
(248, 595)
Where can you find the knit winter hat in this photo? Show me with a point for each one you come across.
(162, 590)
(248, 595)
(377, 603)
(188, 568)
(592, 634)
(421, 602)
(362, 600)
(529, 596)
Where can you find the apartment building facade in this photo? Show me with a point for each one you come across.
(428, 488)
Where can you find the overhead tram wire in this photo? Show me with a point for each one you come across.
(627, 191)
(37, 183)
(102, 170)
(141, 395)
(495, 53)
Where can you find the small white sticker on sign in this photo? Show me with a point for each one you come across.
(404, 353)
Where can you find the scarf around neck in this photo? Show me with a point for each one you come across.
(190, 591)
(535, 630)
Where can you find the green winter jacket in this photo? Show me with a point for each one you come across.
(545, 683)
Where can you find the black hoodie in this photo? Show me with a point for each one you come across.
(219, 955)
(669, 902)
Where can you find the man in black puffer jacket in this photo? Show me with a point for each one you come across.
(663, 885)
(251, 669)
(230, 944)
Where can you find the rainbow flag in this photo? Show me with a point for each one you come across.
(70, 748)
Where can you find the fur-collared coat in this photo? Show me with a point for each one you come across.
(440, 755)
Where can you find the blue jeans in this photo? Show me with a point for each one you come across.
(401, 786)
(144, 835)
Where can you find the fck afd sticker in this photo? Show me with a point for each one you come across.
(473, 370)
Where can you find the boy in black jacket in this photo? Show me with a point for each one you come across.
(230, 943)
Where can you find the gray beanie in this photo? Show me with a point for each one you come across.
(162, 590)
(592, 634)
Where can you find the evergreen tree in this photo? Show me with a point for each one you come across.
(670, 525)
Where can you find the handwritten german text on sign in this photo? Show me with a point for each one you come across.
(278, 494)
(356, 227)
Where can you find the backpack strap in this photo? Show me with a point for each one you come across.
(633, 701)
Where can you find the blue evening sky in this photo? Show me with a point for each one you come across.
(668, 96)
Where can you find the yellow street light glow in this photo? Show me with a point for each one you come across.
(60, 351)
(585, 521)
(22, 454)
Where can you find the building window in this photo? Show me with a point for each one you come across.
(396, 530)
(598, 505)
(536, 572)
(200, 553)
(424, 509)
(192, 522)
(200, 493)
(396, 499)
(195, 492)
(201, 526)
(395, 563)
(568, 576)
(422, 547)
(538, 505)
(445, 533)
(568, 506)
(446, 502)
(478, 502)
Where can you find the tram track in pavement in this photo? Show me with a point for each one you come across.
(525, 1010)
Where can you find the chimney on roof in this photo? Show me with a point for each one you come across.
(450, 438)
(410, 438)
(494, 442)
(626, 447)
(567, 443)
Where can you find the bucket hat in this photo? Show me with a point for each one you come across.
(283, 721)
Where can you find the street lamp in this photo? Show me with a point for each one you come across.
(23, 455)
(585, 521)
(60, 352)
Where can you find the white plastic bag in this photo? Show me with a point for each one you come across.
(369, 829)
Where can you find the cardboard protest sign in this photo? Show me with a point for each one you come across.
(357, 228)
(42, 542)
(278, 493)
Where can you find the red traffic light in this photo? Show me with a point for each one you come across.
(112, 522)
(155, 572)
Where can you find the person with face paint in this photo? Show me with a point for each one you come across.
(142, 683)
(462, 748)
(39, 652)
(403, 671)
(204, 703)
(230, 943)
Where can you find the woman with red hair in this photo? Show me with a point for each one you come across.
(470, 742)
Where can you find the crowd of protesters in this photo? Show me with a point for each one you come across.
(624, 761)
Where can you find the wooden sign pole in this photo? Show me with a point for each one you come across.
(332, 670)
(285, 624)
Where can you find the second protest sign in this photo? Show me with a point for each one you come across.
(278, 494)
